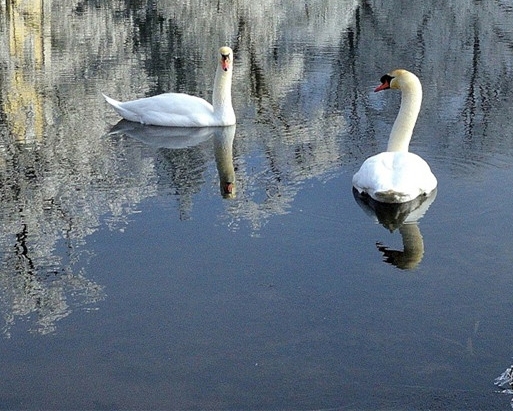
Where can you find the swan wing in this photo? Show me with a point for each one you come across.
(395, 177)
(168, 109)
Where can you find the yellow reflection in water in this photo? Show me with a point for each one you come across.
(23, 105)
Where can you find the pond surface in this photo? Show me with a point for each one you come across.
(128, 281)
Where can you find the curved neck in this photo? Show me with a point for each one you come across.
(222, 93)
(402, 129)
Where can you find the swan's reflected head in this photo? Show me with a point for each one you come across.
(226, 58)
(228, 189)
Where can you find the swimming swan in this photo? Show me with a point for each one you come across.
(184, 110)
(397, 176)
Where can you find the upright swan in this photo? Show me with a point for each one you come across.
(184, 110)
(397, 176)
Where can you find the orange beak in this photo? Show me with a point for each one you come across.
(385, 85)
(225, 62)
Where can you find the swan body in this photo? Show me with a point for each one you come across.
(396, 175)
(184, 110)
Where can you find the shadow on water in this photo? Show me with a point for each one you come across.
(403, 217)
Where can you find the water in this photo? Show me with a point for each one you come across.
(128, 281)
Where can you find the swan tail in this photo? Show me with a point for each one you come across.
(126, 114)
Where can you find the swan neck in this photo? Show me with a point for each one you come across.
(222, 93)
(411, 99)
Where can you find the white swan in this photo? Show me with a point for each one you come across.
(397, 176)
(184, 110)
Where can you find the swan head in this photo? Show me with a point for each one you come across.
(397, 79)
(226, 58)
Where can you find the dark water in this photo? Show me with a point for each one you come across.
(127, 280)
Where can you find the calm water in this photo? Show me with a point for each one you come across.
(127, 280)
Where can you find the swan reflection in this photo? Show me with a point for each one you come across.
(223, 151)
(164, 137)
(176, 138)
(403, 217)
